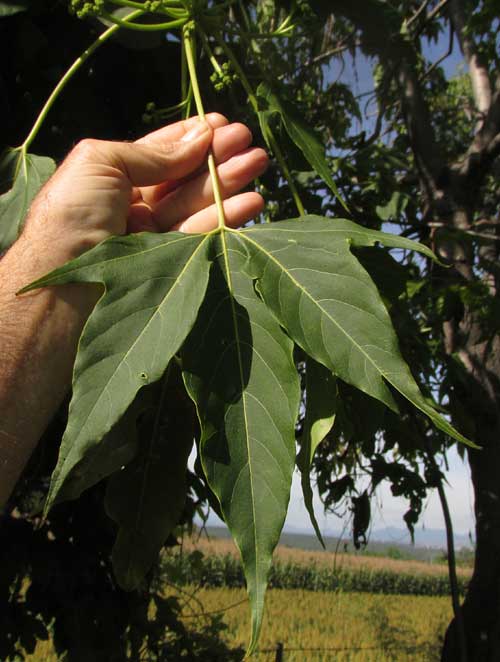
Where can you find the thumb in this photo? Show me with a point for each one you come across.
(145, 165)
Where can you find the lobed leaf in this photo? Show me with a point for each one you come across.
(328, 304)
(117, 448)
(240, 372)
(321, 406)
(154, 285)
(24, 174)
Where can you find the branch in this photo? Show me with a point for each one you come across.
(419, 11)
(485, 147)
(443, 57)
(428, 17)
(478, 70)
(380, 32)
(431, 15)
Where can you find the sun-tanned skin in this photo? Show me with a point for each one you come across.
(101, 189)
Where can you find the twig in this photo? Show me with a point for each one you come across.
(432, 14)
(419, 11)
(442, 58)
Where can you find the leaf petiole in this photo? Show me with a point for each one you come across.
(77, 64)
(144, 27)
(187, 35)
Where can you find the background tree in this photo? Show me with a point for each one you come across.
(428, 164)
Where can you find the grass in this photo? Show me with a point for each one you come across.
(382, 625)
(345, 626)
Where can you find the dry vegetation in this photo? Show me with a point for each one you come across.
(401, 628)
(340, 561)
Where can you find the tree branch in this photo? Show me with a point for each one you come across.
(485, 147)
(380, 33)
(478, 70)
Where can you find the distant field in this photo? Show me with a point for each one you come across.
(361, 627)
(222, 546)
(401, 628)
(388, 628)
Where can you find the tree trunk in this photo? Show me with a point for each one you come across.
(481, 402)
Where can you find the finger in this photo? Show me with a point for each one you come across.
(176, 131)
(237, 210)
(227, 141)
(146, 165)
(195, 195)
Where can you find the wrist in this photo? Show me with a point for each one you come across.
(27, 260)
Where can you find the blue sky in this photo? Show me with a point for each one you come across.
(387, 510)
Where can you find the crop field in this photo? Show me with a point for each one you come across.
(340, 624)
(219, 546)
(316, 626)
(215, 564)
(375, 625)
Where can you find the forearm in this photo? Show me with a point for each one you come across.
(39, 333)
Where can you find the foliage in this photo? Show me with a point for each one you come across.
(263, 293)
(23, 175)
(54, 576)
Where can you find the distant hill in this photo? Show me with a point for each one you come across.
(392, 542)
(423, 537)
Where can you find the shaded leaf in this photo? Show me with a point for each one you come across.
(116, 450)
(321, 406)
(239, 370)
(147, 498)
(154, 285)
(24, 175)
(299, 131)
(14, 7)
(361, 519)
(394, 208)
(328, 304)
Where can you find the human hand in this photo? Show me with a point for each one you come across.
(156, 184)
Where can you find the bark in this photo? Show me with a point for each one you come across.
(481, 609)
(478, 69)
(450, 193)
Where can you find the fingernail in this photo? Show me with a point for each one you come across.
(195, 132)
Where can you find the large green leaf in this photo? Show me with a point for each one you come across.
(299, 131)
(147, 498)
(321, 407)
(234, 301)
(240, 372)
(329, 305)
(24, 175)
(154, 285)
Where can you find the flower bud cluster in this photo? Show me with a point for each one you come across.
(152, 5)
(84, 8)
(223, 78)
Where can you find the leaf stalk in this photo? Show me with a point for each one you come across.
(187, 34)
(77, 64)
(144, 27)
